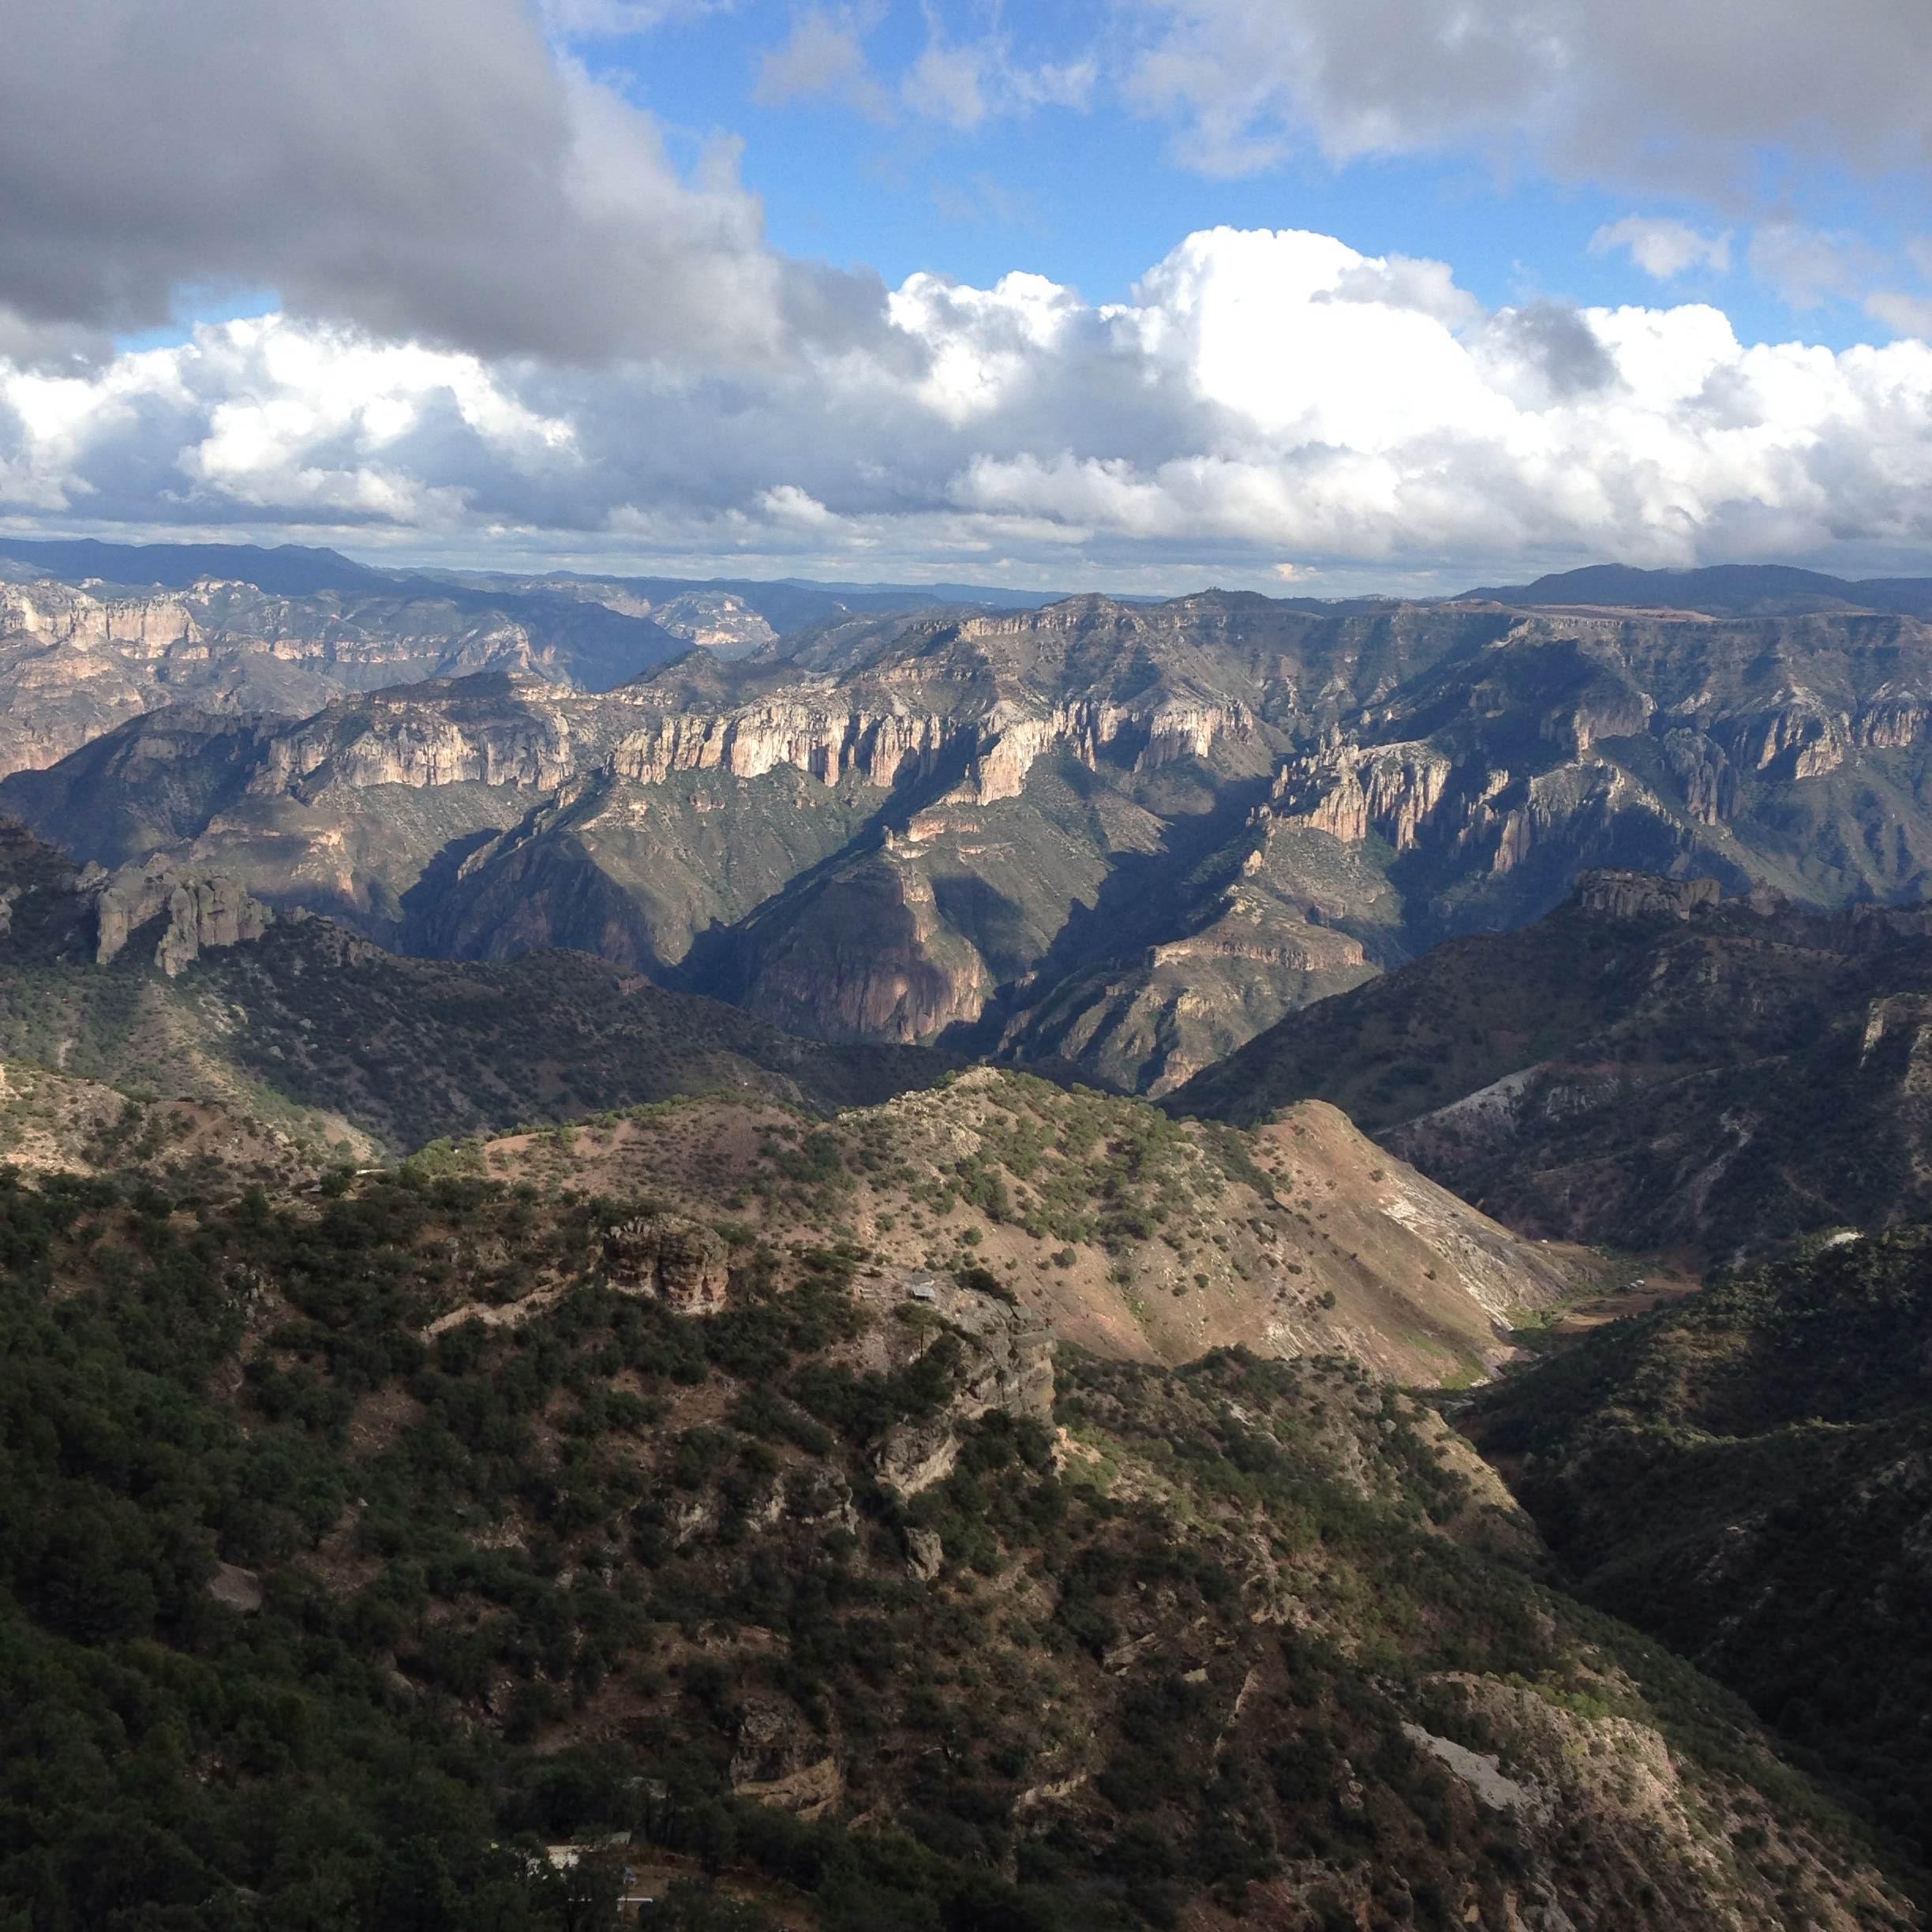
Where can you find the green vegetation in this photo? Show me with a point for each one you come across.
(1748, 1474)
(354, 1545)
(314, 1029)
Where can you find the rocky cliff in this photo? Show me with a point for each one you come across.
(679, 1260)
(1641, 895)
(77, 660)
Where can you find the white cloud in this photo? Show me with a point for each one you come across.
(964, 83)
(1664, 249)
(949, 83)
(1262, 394)
(956, 83)
(1905, 315)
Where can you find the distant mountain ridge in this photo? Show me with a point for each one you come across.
(287, 570)
(297, 569)
(1716, 589)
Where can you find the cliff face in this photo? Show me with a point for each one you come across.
(512, 732)
(1640, 895)
(1352, 792)
(1722, 748)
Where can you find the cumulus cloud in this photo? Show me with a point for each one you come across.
(1262, 394)
(428, 169)
(1651, 91)
(1663, 249)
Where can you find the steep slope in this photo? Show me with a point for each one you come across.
(53, 1124)
(1748, 1474)
(1028, 798)
(183, 985)
(504, 1516)
(1120, 1230)
(1649, 1066)
(1126, 1229)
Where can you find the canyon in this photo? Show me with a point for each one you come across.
(1130, 838)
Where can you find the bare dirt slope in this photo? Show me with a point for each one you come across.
(1131, 1234)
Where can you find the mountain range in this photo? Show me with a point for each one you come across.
(1128, 836)
(1718, 590)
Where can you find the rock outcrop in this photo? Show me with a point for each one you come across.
(1606, 893)
(678, 1261)
(1006, 1363)
(202, 910)
(1352, 791)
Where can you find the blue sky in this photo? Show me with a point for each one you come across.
(1093, 194)
(1326, 293)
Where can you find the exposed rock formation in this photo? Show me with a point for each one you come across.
(679, 1261)
(1609, 894)
(828, 739)
(1007, 1364)
(779, 1760)
(1134, 835)
(1349, 791)
(203, 910)
(75, 661)
(925, 1554)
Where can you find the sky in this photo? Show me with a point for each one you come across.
(1329, 295)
